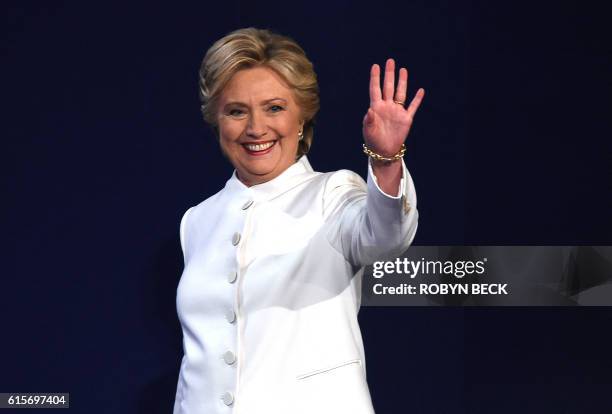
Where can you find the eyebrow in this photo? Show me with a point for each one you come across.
(263, 102)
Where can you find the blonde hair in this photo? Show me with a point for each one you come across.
(250, 47)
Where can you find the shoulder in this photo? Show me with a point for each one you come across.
(344, 178)
(341, 187)
(207, 204)
(333, 179)
(193, 214)
(329, 183)
(199, 210)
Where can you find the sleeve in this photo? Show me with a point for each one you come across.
(364, 223)
(182, 227)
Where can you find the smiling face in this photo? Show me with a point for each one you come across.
(259, 122)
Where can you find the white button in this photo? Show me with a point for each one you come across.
(230, 315)
(228, 398)
(236, 238)
(231, 277)
(229, 357)
(247, 204)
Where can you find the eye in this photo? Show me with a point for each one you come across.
(235, 112)
(276, 108)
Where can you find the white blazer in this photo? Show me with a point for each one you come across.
(269, 295)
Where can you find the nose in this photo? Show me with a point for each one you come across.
(256, 127)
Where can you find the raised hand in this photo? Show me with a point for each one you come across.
(387, 123)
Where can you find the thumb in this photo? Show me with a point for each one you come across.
(368, 119)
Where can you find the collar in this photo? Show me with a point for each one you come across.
(296, 174)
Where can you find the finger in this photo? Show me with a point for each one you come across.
(416, 102)
(402, 85)
(389, 82)
(375, 94)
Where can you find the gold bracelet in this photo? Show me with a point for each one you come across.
(379, 157)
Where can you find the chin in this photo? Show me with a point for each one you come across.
(260, 172)
(256, 172)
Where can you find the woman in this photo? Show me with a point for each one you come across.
(269, 296)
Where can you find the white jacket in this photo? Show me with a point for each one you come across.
(269, 295)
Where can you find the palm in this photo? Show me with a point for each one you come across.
(387, 124)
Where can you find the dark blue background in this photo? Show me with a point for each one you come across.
(104, 148)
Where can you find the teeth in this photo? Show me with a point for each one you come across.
(259, 147)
